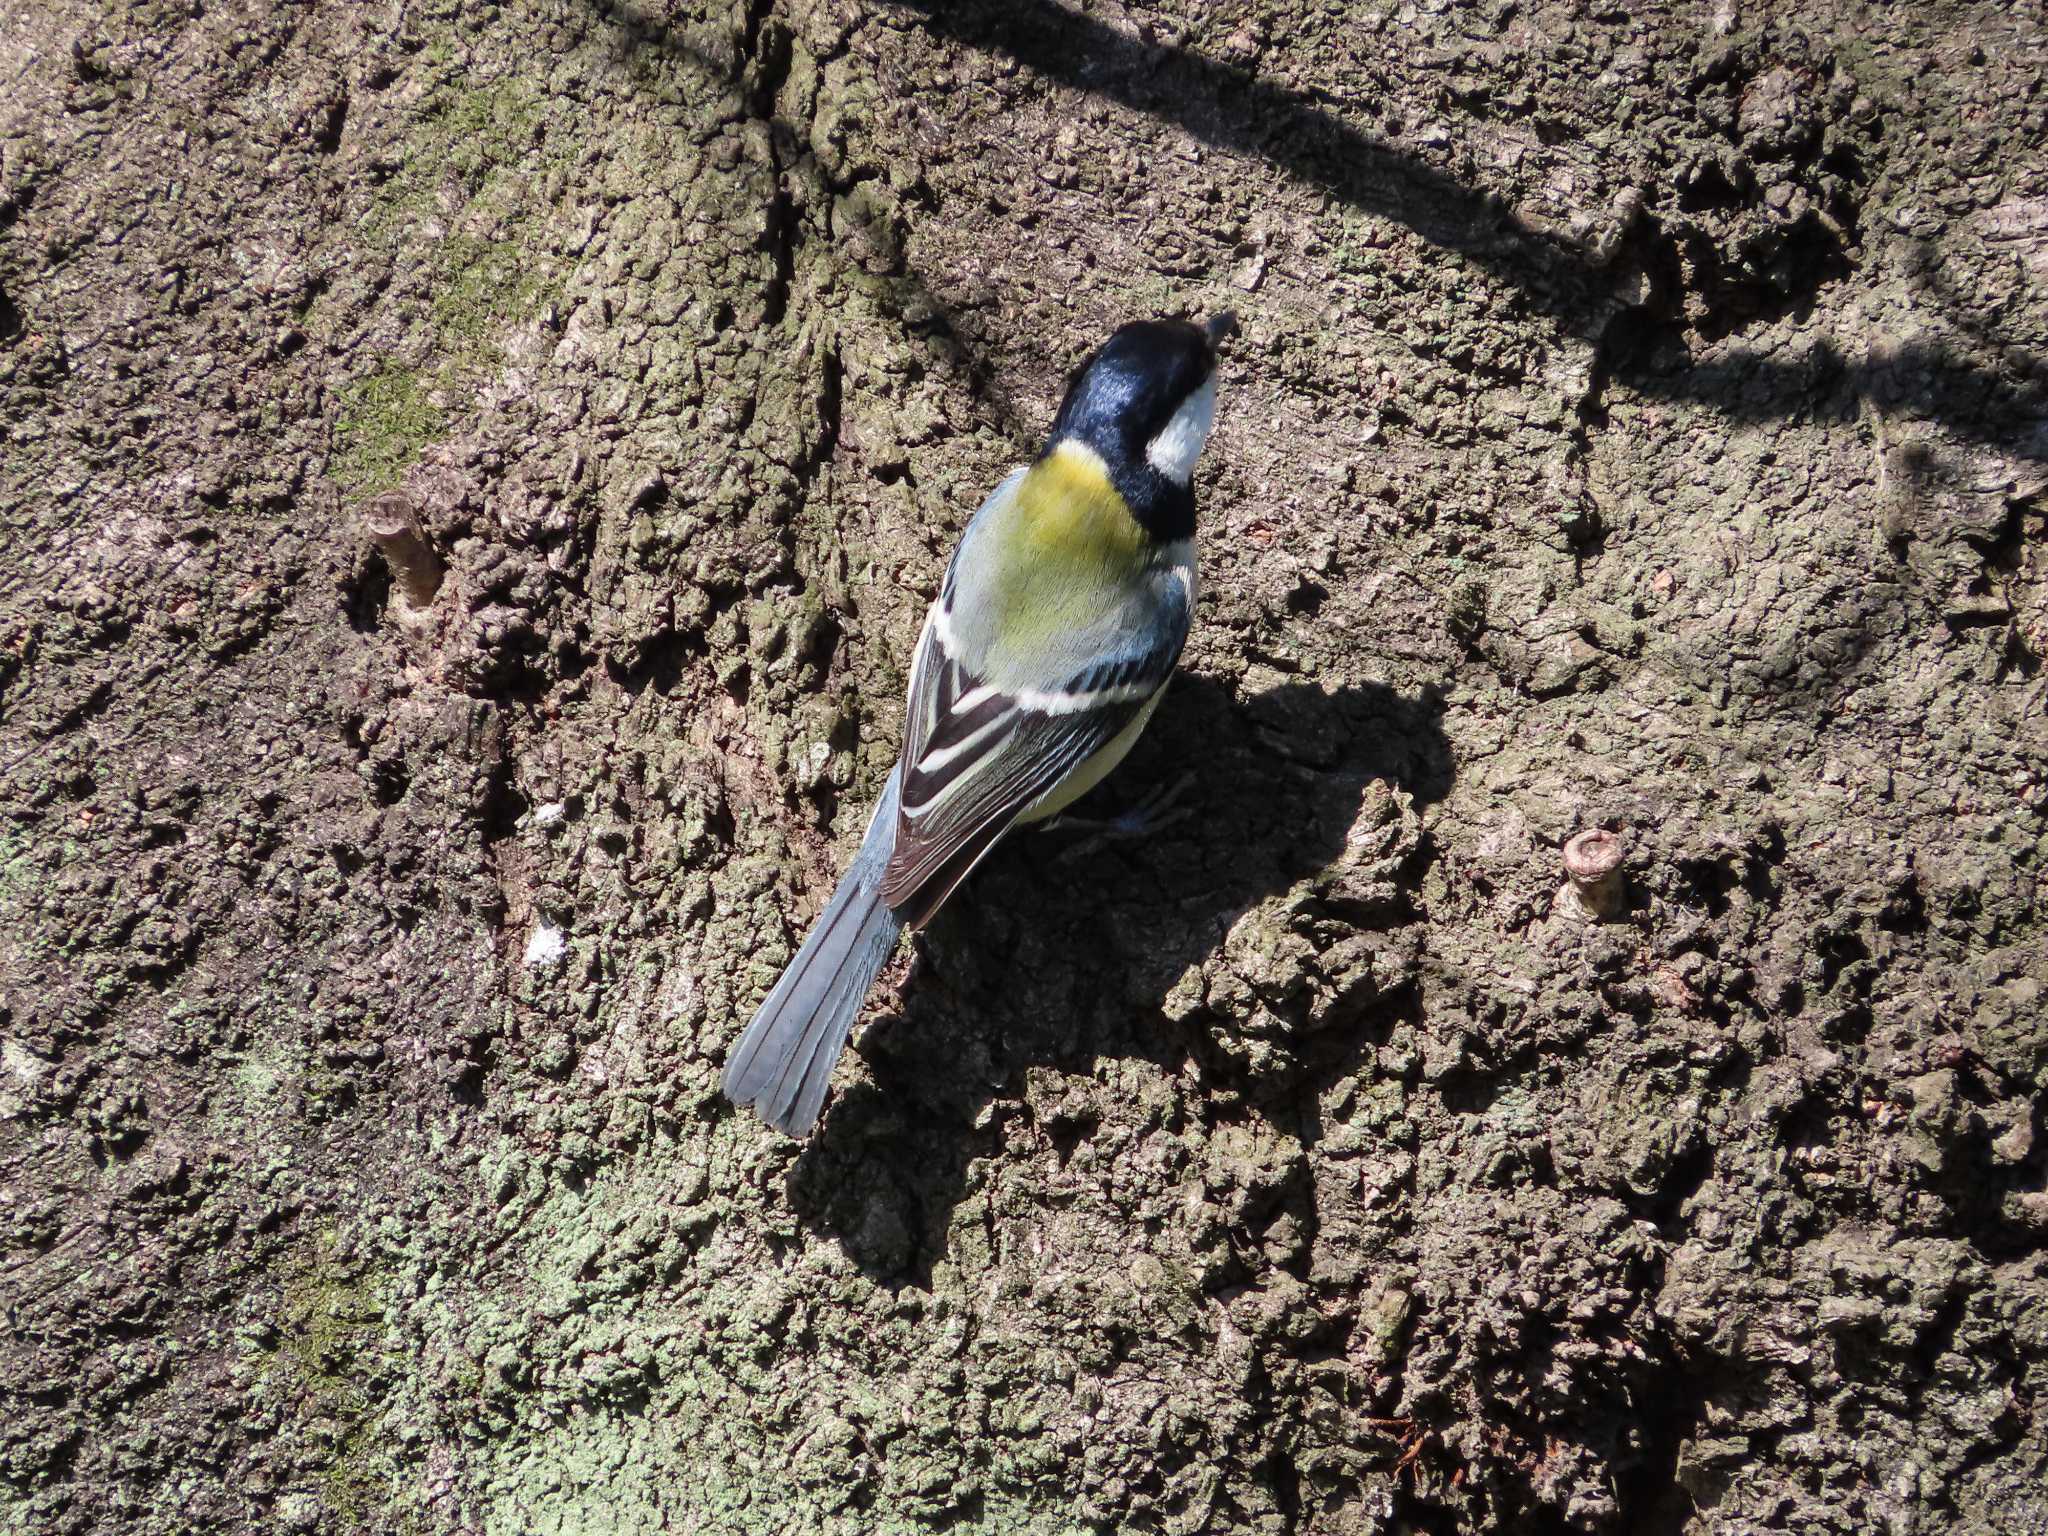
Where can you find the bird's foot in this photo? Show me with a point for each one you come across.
(1151, 815)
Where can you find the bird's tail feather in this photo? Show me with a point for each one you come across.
(784, 1061)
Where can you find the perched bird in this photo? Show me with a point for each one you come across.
(1062, 615)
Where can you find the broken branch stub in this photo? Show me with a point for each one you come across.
(394, 527)
(1592, 860)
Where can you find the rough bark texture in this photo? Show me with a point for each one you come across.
(1638, 425)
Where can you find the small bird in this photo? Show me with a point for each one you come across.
(1061, 618)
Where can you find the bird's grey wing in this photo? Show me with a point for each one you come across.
(977, 756)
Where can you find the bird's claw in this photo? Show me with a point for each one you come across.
(1151, 815)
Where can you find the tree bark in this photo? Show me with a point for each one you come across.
(1636, 429)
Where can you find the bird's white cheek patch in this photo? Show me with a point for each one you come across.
(1174, 451)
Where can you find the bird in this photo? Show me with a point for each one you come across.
(1060, 620)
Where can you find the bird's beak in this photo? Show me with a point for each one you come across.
(1221, 327)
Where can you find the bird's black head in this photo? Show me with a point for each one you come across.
(1145, 402)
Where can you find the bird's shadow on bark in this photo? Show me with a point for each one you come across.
(1066, 958)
